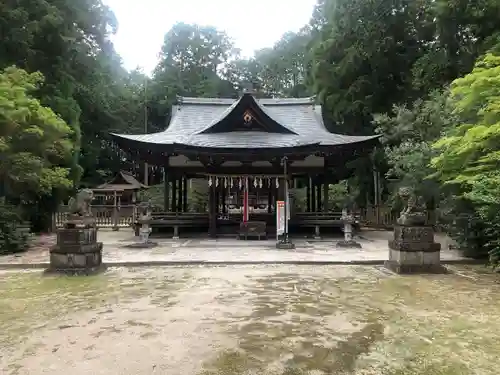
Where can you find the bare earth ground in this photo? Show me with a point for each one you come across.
(235, 320)
(225, 250)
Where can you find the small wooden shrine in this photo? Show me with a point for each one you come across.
(123, 185)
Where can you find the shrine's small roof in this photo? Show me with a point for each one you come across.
(123, 180)
(242, 123)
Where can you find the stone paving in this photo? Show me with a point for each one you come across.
(225, 250)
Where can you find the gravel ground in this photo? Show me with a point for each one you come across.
(277, 320)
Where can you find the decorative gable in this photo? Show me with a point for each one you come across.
(246, 115)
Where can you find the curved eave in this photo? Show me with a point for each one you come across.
(147, 142)
(352, 140)
(127, 142)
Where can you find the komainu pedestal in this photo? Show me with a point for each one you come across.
(77, 250)
(413, 250)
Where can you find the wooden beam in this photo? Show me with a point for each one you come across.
(251, 171)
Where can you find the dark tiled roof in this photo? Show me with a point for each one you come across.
(193, 116)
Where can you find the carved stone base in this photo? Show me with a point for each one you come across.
(253, 229)
(413, 250)
(142, 245)
(285, 245)
(349, 244)
(76, 271)
(317, 234)
(77, 221)
(414, 269)
(76, 252)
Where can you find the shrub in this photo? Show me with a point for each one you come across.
(11, 240)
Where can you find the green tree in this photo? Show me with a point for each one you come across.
(193, 62)
(284, 70)
(34, 142)
(363, 58)
(35, 145)
(85, 84)
(468, 159)
(408, 133)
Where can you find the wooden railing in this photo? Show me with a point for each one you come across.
(107, 216)
(377, 216)
(385, 217)
(110, 216)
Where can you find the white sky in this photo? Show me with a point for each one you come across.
(252, 24)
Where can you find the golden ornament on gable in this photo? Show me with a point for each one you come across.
(247, 117)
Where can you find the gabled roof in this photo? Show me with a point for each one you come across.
(218, 123)
(123, 180)
(246, 114)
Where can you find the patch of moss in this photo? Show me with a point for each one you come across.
(31, 300)
(390, 320)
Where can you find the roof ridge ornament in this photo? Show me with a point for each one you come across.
(249, 89)
(179, 101)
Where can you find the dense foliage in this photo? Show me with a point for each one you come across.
(423, 73)
(469, 152)
(35, 144)
(12, 240)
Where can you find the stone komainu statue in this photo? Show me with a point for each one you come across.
(413, 213)
(80, 204)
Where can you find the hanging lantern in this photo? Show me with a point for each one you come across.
(240, 183)
(216, 181)
(210, 182)
(231, 182)
(255, 183)
(260, 182)
(225, 182)
(277, 183)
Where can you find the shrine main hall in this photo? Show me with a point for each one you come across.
(249, 151)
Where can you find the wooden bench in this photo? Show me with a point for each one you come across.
(177, 220)
(252, 229)
(318, 220)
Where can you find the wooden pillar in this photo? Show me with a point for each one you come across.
(318, 196)
(277, 193)
(269, 199)
(212, 217)
(280, 191)
(325, 193)
(246, 213)
(134, 206)
(217, 198)
(308, 194)
(313, 195)
(223, 197)
(174, 194)
(377, 194)
(166, 190)
(185, 194)
(115, 211)
(179, 194)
